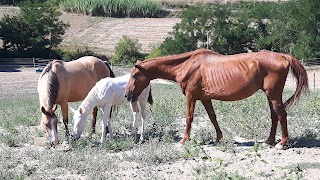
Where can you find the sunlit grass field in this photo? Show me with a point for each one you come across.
(249, 119)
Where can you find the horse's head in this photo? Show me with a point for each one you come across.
(79, 123)
(137, 83)
(49, 123)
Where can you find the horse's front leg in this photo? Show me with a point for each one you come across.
(143, 118)
(106, 123)
(64, 110)
(94, 120)
(189, 118)
(135, 114)
(209, 108)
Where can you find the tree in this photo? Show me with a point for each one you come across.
(127, 51)
(35, 31)
(218, 27)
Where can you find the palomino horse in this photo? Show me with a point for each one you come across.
(106, 93)
(204, 75)
(62, 82)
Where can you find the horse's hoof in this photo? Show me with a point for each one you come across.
(281, 146)
(265, 145)
(182, 141)
(214, 144)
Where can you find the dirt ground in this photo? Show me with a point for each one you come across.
(102, 34)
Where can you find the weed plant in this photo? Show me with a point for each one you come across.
(115, 8)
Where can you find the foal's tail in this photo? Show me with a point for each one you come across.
(150, 99)
(301, 77)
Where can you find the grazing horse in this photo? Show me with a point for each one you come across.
(62, 82)
(204, 75)
(106, 93)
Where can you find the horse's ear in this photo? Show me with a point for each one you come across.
(139, 67)
(44, 111)
(80, 110)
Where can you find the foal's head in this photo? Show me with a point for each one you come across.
(79, 123)
(49, 123)
(137, 83)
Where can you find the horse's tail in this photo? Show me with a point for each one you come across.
(150, 99)
(301, 77)
(111, 72)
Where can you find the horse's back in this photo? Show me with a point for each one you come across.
(79, 76)
(111, 90)
(234, 77)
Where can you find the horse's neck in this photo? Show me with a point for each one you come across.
(165, 68)
(90, 101)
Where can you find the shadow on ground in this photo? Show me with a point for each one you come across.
(11, 69)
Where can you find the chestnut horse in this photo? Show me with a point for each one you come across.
(204, 75)
(62, 82)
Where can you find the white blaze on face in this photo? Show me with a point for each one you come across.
(53, 133)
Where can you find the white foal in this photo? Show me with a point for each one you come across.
(106, 93)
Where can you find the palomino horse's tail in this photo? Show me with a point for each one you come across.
(150, 99)
(301, 77)
(111, 72)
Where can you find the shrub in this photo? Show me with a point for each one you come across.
(71, 55)
(127, 51)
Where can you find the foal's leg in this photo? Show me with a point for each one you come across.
(64, 110)
(190, 111)
(135, 113)
(106, 123)
(94, 120)
(208, 106)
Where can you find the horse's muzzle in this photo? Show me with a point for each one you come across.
(130, 97)
(54, 143)
(74, 138)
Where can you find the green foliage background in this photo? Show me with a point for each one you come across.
(36, 31)
(290, 27)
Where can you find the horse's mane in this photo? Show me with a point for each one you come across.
(179, 57)
(53, 83)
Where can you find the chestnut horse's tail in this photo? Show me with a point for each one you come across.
(301, 77)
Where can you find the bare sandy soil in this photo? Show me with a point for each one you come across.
(102, 34)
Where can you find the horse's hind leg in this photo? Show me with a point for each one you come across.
(209, 108)
(279, 113)
(274, 120)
